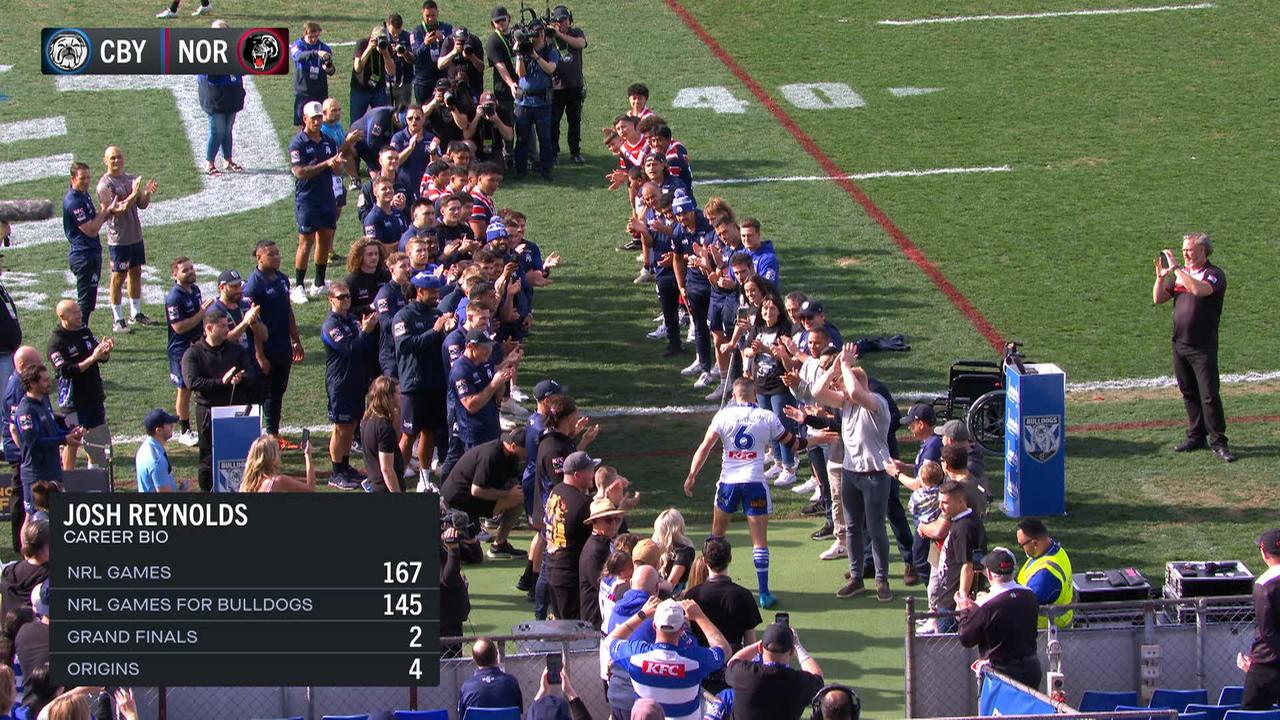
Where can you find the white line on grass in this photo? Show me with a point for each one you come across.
(912, 91)
(5, 68)
(33, 129)
(34, 168)
(858, 176)
(1054, 14)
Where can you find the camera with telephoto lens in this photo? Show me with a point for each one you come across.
(461, 41)
(381, 40)
(523, 37)
(488, 109)
(449, 101)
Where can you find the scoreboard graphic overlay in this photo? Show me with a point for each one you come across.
(164, 51)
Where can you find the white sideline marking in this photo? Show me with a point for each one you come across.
(1248, 378)
(1032, 16)
(859, 176)
(34, 129)
(265, 180)
(5, 68)
(911, 91)
(34, 169)
(342, 43)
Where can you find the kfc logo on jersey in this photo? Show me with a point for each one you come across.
(662, 669)
(741, 455)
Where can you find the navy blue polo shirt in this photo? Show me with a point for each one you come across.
(833, 333)
(413, 167)
(467, 379)
(378, 125)
(662, 244)
(930, 449)
(40, 438)
(181, 305)
(702, 234)
(12, 396)
(489, 688)
(316, 191)
(385, 226)
(272, 295)
(77, 209)
(389, 300)
(344, 351)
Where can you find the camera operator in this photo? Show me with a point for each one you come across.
(488, 128)
(313, 64)
(456, 546)
(536, 62)
(463, 55)
(400, 86)
(371, 68)
(426, 43)
(440, 111)
(498, 52)
(569, 89)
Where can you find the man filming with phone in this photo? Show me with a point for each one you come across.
(1197, 288)
(218, 373)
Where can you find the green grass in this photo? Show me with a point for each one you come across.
(1123, 132)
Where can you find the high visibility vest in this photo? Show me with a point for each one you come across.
(1059, 565)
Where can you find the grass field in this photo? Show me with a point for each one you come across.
(1121, 132)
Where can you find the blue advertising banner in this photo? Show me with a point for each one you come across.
(1005, 698)
(235, 428)
(1035, 467)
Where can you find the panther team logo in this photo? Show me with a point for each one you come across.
(262, 52)
(1042, 435)
(68, 51)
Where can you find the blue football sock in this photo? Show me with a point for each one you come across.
(761, 557)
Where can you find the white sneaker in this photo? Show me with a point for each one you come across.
(773, 471)
(298, 295)
(786, 477)
(693, 334)
(644, 277)
(189, 438)
(695, 368)
(202, 10)
(166, 14)
(835, 552)
(640, 257)
(659, 334)
(519, 395)
(805, 487)
(684, 318)
(514, 409)
(506, 423)
(657, 319)
(706, 380)
(315, 291)
(425, 484)
(817, 493)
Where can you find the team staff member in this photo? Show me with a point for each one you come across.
(124, 235)
(82, 224)
(313, 65)
(1002, 623)
(1262, 663)
(425, 42)
(346, 344)
(419, 330)
(569, 90)
(219, 373)
(246, 329)
(380, 437)
(24, 357)
(1047, 570)
(268, 289)
(474, 387)
(1197, 289)
(486, 482)
(76, 355)
(417, 147)
(313, 158)
(389, 300)
(40, 435)
(184, 311)
(384, 222)
(151, 463)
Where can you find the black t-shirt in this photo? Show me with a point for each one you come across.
(1003, 627)
(475, 78)
(567, 532)
(569, 69)
(374, 75)
(1195, 319)
(17, 582)
(966, 542)
(765, 691)
(378, 435)
(729, 605)
(683, 555)
(364, 288)
(77, 389)
(440, 123)
(497, 51)
(590, 566)
(487, 465)
(553, 448)
(31, 645)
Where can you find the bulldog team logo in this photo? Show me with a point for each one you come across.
(262, 52)
(67, 51)
(1042, 436)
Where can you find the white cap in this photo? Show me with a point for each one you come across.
(669, 616)
(312, 108)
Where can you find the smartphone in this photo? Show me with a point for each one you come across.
(745, 313)
(782, 618)
(306, 439)
(1163, 260)
(555, 664)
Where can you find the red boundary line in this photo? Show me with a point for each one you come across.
(913, 253)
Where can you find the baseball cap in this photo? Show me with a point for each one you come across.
(479, 336)
(646, 552)
(497, 229)
(312, 109)
(682, 204)
(230, 277)
(1270, 541)
(40, 599)
(498, 13)
(999, 561)
(953, 430)
(778, 638)
(922, 411)
(156, 418)
(810, 308)
(669, 616)
(444, 84)
(578, 461)
(545, 388)
(425, 280)
(560, 12)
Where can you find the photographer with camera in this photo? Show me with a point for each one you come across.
(313, 64)
(426, 45)
(442, 112)
(488, 128)
(536, 62)
(456, 547)
(486, 482)
(569, 90)
(400, 86)
(463, 56)
(371, 70)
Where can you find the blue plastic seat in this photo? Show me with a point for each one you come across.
(346, 717)
(1253, 715)
(1231, 695)
(1100, 701)
(1211, 712)
(1192, 716)
(507, 713)
(1178, 699)
(421, 715)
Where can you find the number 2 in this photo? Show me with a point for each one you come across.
(742, 439)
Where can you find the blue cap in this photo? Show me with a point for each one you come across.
(156, 418)
(426, 280)
(682, 203)
(497, 229)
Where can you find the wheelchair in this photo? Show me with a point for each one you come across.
(976, 395)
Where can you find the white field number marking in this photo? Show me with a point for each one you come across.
(804, 96)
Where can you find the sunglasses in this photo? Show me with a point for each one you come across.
(340, 297)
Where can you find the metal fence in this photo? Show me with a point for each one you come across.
(1136, 645)
(523, 655)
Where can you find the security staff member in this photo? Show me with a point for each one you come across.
(219, 373)
(419, 329)
(1197, 289)
(82, 223)
(346, 344)
(1047, 570)
(1002, 623)
(39, 434)
(1262, 663)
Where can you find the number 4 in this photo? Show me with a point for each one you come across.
(415, 668)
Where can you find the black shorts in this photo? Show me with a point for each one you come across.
(422, 411)
(345, 408)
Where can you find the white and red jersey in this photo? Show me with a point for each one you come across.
(632, 154)
(483, 209)
(745, 432)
